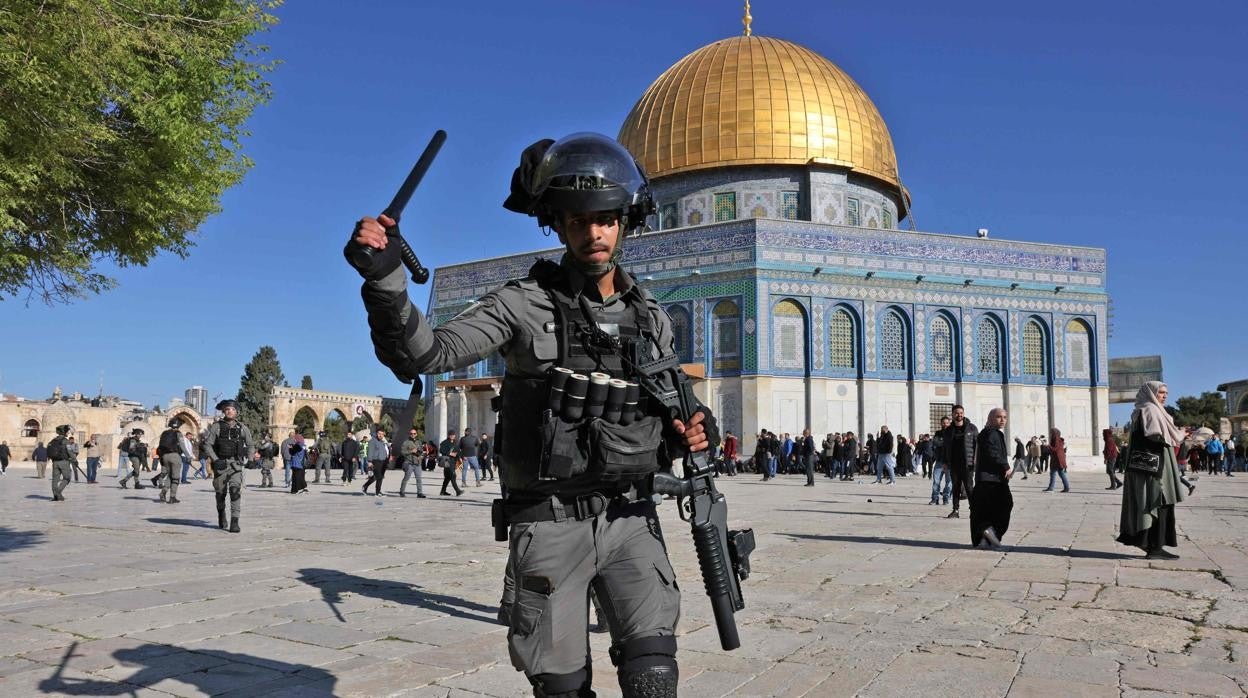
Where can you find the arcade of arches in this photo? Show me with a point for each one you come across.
(292, 407)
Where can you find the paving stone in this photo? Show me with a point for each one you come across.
(1058, 667)
(1157, 601)
(1138, 629)
(1179, 681)
(942, 673)
(1037, 687)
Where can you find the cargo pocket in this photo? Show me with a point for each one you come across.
(626, 452)
(525, 618)
(564, 449)
(670, 600)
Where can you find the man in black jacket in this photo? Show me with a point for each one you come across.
(807, 445)
(886, 459)
(959, 456)
(349, 452)
(991, 502)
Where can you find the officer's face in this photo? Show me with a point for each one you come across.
(230, 412)
(590, 237)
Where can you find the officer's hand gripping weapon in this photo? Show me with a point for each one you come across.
(723, 555)
(363, 257)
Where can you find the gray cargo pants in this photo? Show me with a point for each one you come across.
(551, 567)
(61, 474)
(170, 475)
(227, 479)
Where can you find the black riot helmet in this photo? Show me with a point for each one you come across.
(175, 422)
(63, 429)
(581, 173)
(226, 403)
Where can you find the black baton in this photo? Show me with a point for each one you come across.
(363, 255)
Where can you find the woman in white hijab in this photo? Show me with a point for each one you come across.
(1148, 499)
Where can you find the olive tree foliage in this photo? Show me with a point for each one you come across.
(120, 127)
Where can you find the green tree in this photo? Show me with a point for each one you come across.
(361, 423)
(335, 426)
(255, 390)
(120, 128)
(387, 424)
(305, 422)
(306, 382)
(1204, 411)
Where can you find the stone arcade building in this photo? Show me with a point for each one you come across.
(795, 297)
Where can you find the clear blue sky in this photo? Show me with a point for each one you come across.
(1117, 124)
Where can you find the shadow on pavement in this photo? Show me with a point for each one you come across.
(210, 671)
(11, 540)
(1034, 549)
(333, 584)
(198, 523)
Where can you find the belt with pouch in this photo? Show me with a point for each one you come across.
(983, 476)
(562, 508)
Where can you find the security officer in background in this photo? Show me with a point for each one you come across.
(325, 456)
(136, 453)
(62, 470)
(170, 450)
(228, 446)
(598, 525)
(268, 451)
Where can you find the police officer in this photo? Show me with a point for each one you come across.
(575, 521)
(170, 450)
(268, 451)
(136, 454)
(228, 446)
(324, 457)
(62, 470)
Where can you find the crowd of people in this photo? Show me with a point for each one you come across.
(957, 459)
(367, 455)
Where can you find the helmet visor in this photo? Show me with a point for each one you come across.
(587, 172)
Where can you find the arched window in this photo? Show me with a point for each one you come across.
(1078, 350)
(892, 342)
(727, 336)
(841, 339)
(989, 346)
(789, 336)
(31, 429)
(680, 331)
(942, 345)
(1033, 349)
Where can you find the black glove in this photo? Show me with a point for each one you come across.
(371, 263)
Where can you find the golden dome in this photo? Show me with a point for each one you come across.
(753, 100)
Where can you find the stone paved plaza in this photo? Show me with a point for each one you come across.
(858, 589)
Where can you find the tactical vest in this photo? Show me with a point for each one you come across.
(170, 441)
(523, 412)
(229, 441)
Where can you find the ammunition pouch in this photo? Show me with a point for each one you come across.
(626, 452)
(565, 448)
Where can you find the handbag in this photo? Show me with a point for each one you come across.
(1142, 460)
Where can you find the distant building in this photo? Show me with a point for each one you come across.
(197, 398)
(24, 423)
(1236, 405)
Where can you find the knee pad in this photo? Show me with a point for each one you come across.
(646, 666)
(574, 685)
(235, 494)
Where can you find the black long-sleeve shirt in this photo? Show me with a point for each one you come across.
(992, 454)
